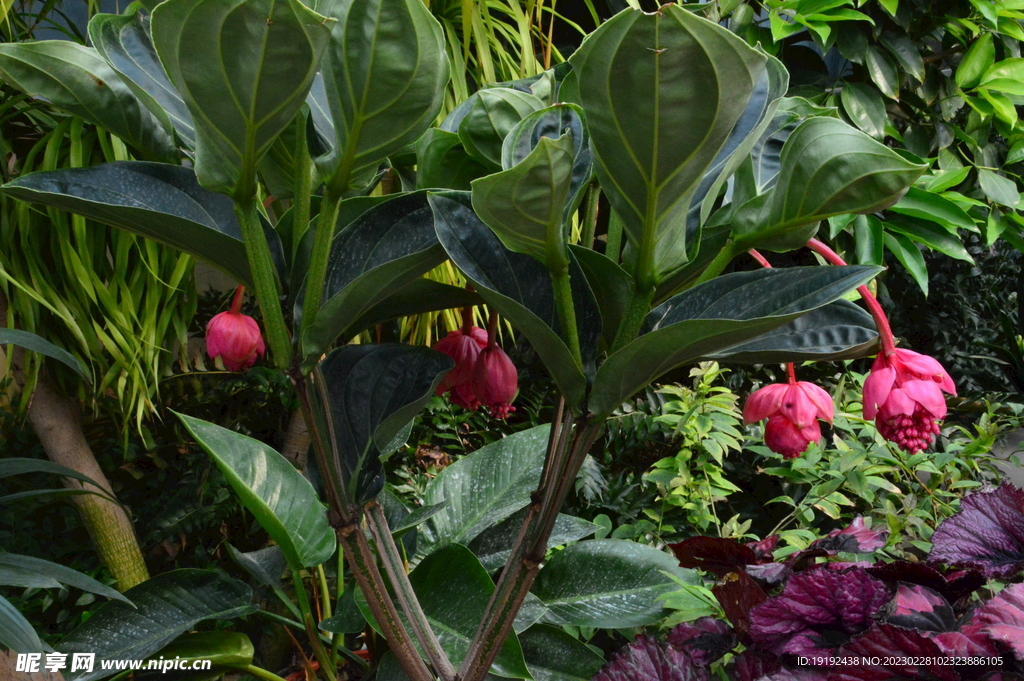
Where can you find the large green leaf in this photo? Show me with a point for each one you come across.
(608, 583)
(75, 78)
(524, 205)
(384, 73)
(554, 655)
(484, 488)
(721, 313)
(827, 168)
(611, 285)
(16, 632)
(243, 68)
(442, 162)
(662, 92)
(125, 43)
(222, 648)
(168, 605)
(930, 206)
(519, 287)
(386, 248)
(159, 201)
(282, 501)
(31, 341)
(422, 295)
(58, 573)
(363, 396)
(493, 546)
(487, 117)
(265, 565)
(839, 330)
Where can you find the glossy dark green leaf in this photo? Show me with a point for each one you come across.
(364, 395)
(20, 466)
(348, 619)
(422, 295)
(159, 201)
(11, 575)
(384, 73)
(75, 78)
(934, 237)
(662, 92)
(16, 632)
(386, 248)
(281, 499)
(525, 204)
(453, 590)
(978, 59)
(222, 648)
(168, 605)
(490, 117)
(124, 41)
(59, 573)
(519, 288)
(930, 206)
(493, 546)
(998, 189)
(723, 312)
(611, 286)
(265, 565)
(883, 72)
(865, 108)
(839, 330)
(909, 255)
(31, 341)
(554, 655)
(608, 583)
(827, 168)
(240, 98)
(906, 53)
(418, 516)
(766, 157)
(442, 162)
(868, 234)
(483, 488)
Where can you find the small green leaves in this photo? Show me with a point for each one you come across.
(976, 61)
(240, 97)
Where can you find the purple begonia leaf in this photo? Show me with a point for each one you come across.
(647, 660)
(738, 595)
(769, 573)
(713, 554)
(1003, 619)
(857, 538)
(969, 641)
(918, 607)
(893, 647)
(817, 611)
(763, 549)
(704, 640)
(987, 532)
(753, 665)
(954, 587)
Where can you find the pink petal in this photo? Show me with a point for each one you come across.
(876, 389)
(898, 403)
(928, 394)
(821, 399)
(797, 407)
(764, 402)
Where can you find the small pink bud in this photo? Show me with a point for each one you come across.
(234, 337)
(495, 381)
(464, 347)
(792, 410)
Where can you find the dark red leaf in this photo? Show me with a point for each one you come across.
(647, 660)
(918, 607)
(704, 640)
(713, 554)
(738, 595)
(1003, 619)
(881, 652)
(987, 532)
(857, 538)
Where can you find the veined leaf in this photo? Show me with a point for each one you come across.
(60, 574)
(31, 341)
(491, 114)
(243, 97)
(16, 632)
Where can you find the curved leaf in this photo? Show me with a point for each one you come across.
(159, 201)
(839, 330)
(716, 315)
(422, 295)
(483, 488)
(222, 648)
(607, 583)
(363, 395)
(75, 78)
(611, 285)
(442, 162)
(386, 248)
(168, 605)
(265, 565)
(282, 501)
(519, 288)
(385, 72)
(554, 655)
(243, 97)
(31, 341)
(490, 115)
(493, 546)
(125, 43)
(60, 574)
(16, 632)
(662, 93)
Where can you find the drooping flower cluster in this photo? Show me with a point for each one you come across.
(234, 337)
(483, 374)
(792, 410)
(903, 394)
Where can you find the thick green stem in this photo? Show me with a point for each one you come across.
(260, 673)
(318, 258)
(311, 631)
(264, 281)
(566, 312)
(303, 190)
(613, 246)
(339, 591)
(395, 567)
(721, 261)
(590, 216)
(636, 311)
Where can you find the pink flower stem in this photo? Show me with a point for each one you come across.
(492, 328)
(467, 319)
(236, 302)
(874, 307)
(790, 368)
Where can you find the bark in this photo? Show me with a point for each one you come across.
(296, 440)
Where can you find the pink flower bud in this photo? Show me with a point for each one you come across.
(792, 410)
(464, 347)
(234, 337)
(903, 393)
(495, 381)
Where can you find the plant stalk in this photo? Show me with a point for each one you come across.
(264, 281)
(720, 262)
(260, 673)
(590, 216)
(395, 568)
(636, 311)
(322, 240)
(311, 631)
(566, 312)
(613, 245)
(303, 191)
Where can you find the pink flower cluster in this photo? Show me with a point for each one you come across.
(483, 374)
